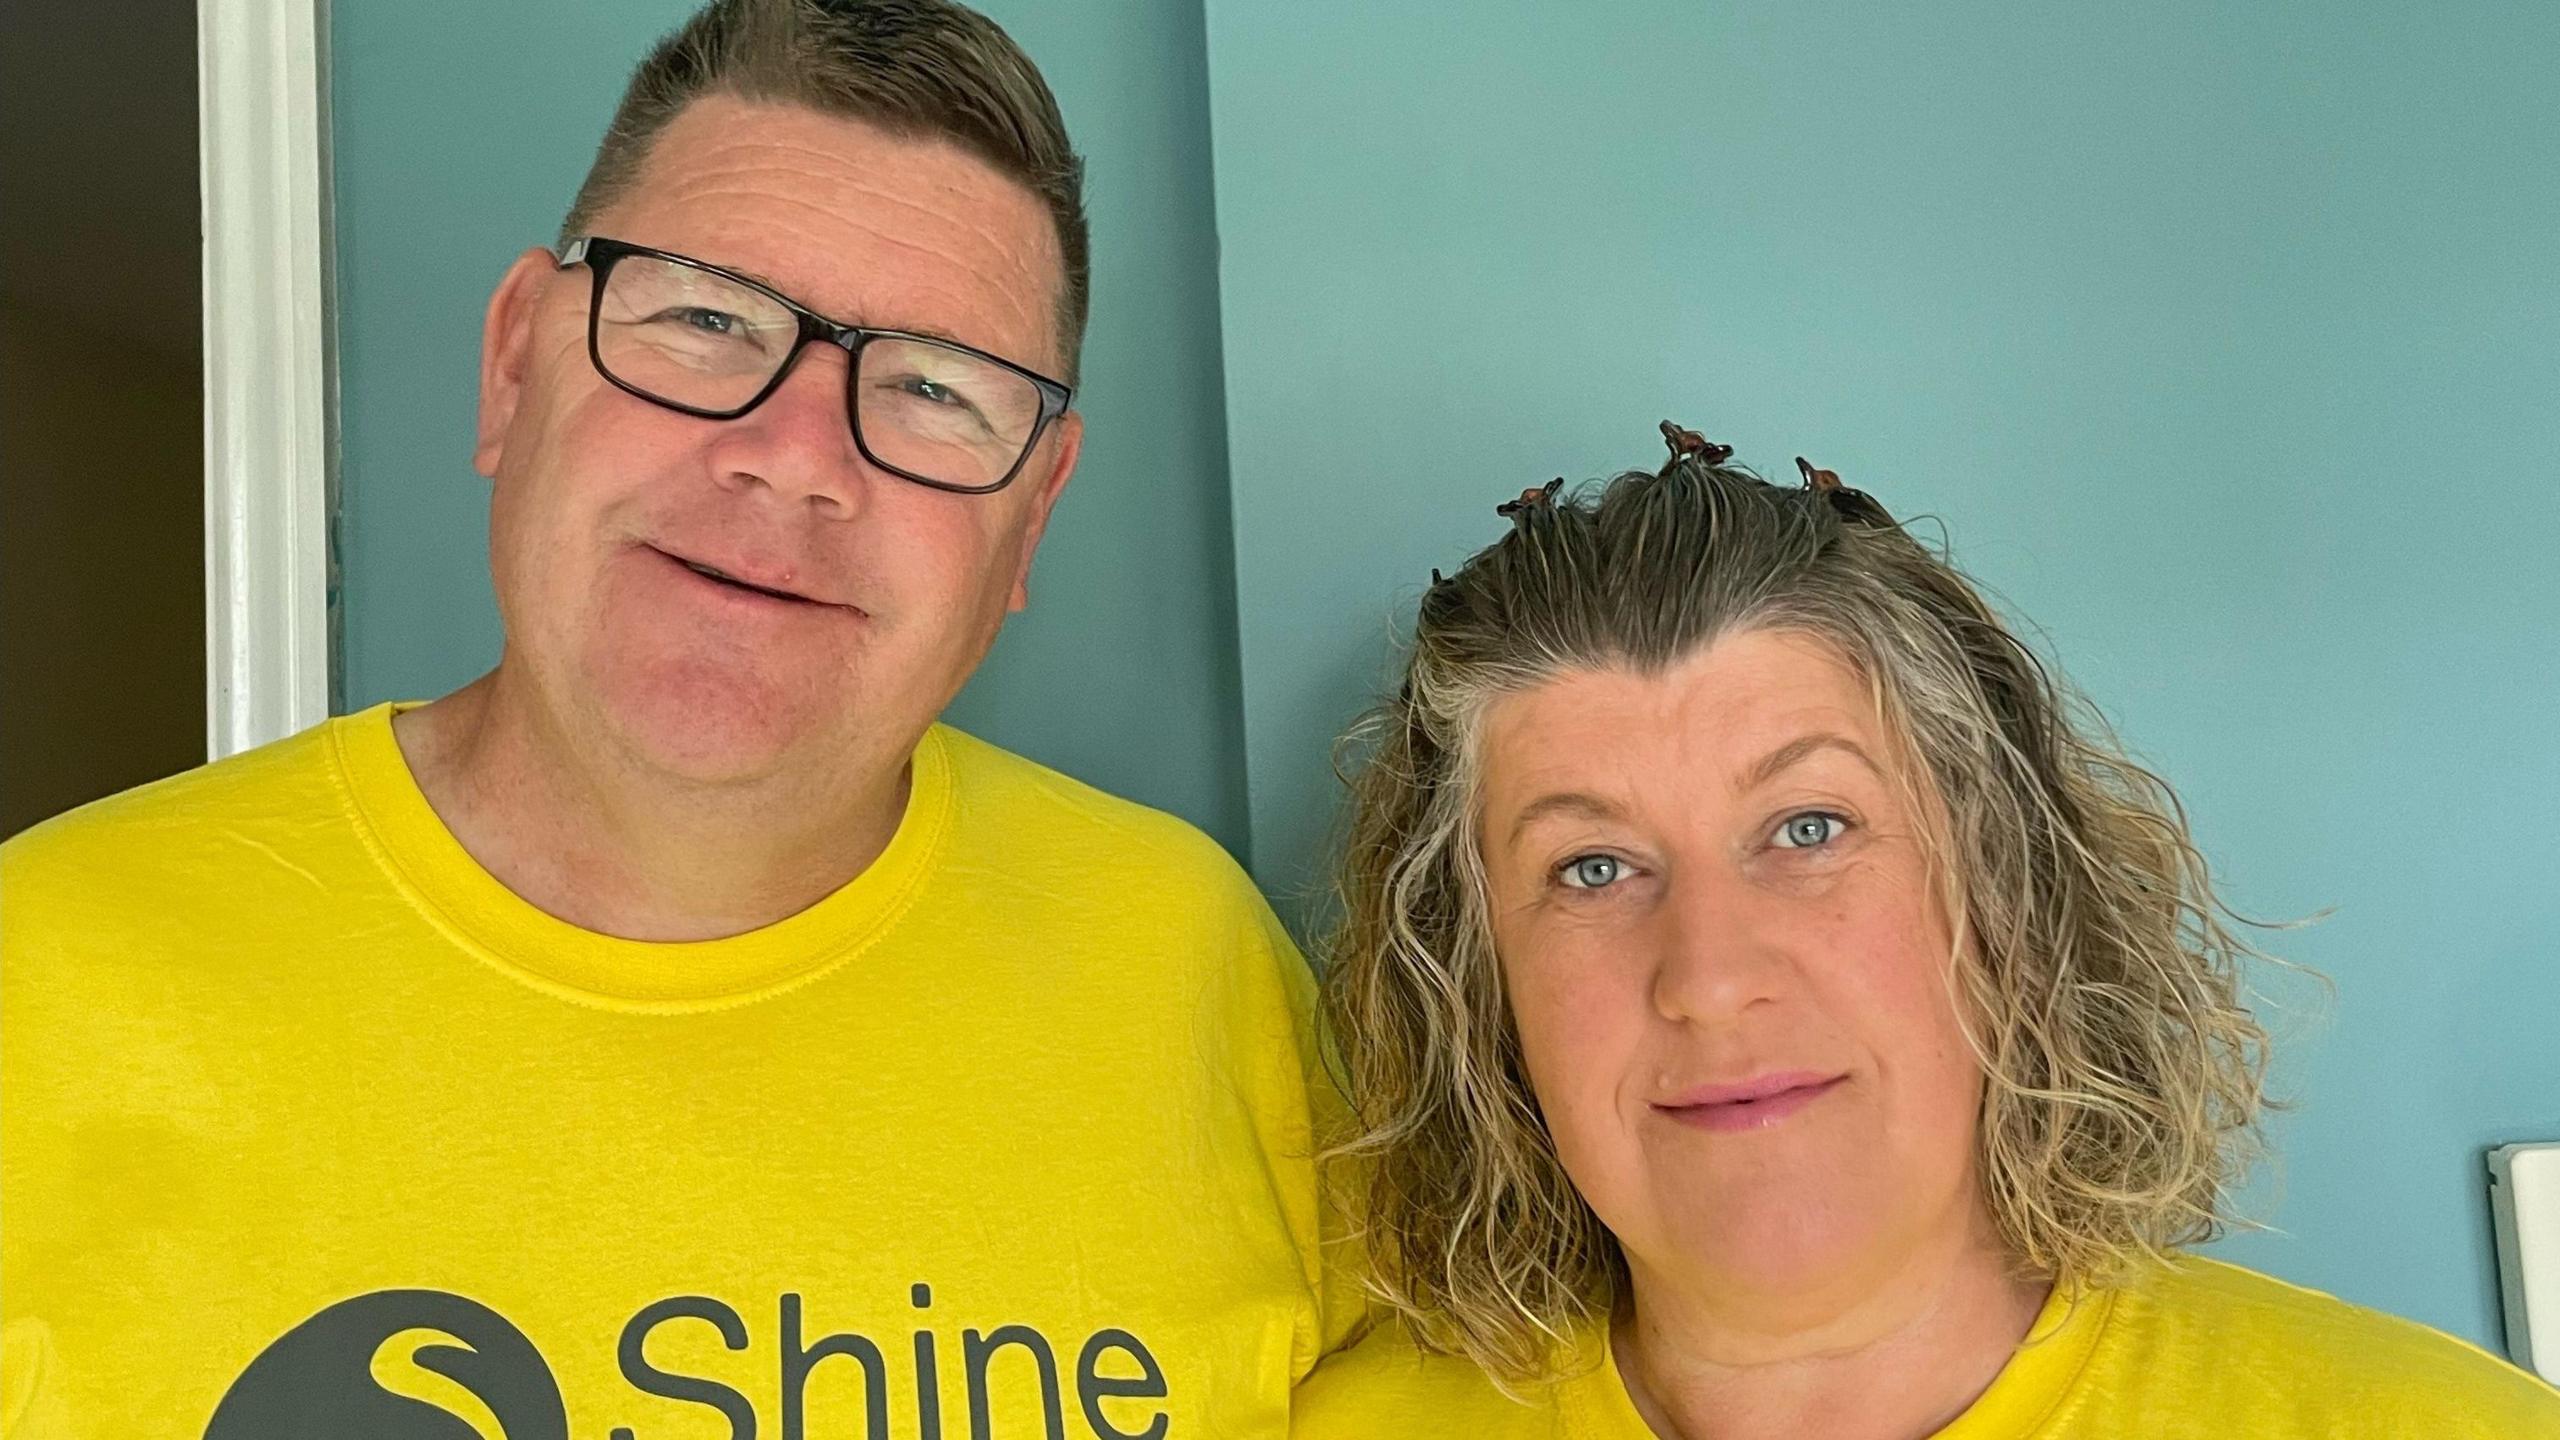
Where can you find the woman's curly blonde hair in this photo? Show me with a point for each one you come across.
(2100, 984)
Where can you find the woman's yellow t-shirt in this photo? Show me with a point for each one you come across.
(313, 1128)
(2195, 1350)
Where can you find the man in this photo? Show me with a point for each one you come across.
(677, 1032)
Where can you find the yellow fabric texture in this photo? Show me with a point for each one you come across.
(313, 1128)
(2194, 1350)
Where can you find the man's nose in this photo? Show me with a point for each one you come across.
(798, 445)
(1719, 951)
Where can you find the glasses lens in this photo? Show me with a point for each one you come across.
(689, 337)
(943, 414)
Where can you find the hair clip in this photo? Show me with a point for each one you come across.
(1687, 443)
(1856, 505)
(1534, 498)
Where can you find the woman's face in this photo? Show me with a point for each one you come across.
(1730, 970)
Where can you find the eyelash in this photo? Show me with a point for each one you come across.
(1841, 825)
(1559, 874)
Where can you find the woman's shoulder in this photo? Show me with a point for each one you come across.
(2248, 1343)
(1386, 1385)
(2259, 1310)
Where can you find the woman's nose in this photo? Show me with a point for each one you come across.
(1718, 952)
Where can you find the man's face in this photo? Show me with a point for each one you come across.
(601, 497)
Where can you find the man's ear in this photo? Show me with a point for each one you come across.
(1070, 443)
(506, 344)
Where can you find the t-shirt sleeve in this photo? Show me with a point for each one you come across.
(2451, 1389)
(2224, 1350)
(1343, 1289)
(1338, 1265)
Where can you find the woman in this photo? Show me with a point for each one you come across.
(1771, 1009)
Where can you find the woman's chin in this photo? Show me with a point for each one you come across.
(1763, 1260)
(1774, 1240)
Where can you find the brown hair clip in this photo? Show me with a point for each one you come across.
(1854, 504)
(1535, 497)
(1688, 443)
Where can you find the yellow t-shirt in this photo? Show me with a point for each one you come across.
(2197, 1350)
(313, 1128)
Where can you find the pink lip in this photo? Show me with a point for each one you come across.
(1754, 1104)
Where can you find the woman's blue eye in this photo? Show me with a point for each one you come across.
(1591, 872)
(1808, 830)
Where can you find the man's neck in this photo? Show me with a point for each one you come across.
(1899, 1359)
(565, 824)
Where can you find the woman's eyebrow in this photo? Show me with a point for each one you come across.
(1582, 805)
(1795, 751)
(1575, 803)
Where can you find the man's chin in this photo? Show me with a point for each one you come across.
(724, 736)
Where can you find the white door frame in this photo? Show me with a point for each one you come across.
(269, 390)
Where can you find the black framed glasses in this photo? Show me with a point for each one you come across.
(705, 341)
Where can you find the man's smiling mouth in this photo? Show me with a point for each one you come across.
(741, 585)
(712, 572)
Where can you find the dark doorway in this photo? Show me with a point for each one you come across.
(102, 650)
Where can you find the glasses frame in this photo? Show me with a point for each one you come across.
(600, 254)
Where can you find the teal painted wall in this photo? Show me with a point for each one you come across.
(460, 132)
(2221, 338)
(2225, 340)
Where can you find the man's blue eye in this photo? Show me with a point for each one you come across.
(708, 321)
(1811, 829)
(1591, 872)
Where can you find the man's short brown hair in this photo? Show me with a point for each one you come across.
(923, 69)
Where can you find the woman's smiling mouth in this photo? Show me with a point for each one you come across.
(1755, 1104)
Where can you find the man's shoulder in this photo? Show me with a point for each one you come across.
(1387, 1385)
(2362, 1367)
(1039, 806)
(1036, 852)
(248, 799)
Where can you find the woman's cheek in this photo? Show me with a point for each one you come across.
(1582, 1023)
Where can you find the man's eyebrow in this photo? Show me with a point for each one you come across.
(936, 332)
(758, 276)
(702, 266)
(929, 332)
(1795, 751)
(1564, 802)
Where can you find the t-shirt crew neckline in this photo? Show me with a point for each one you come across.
(2027, 1393)
(434, 872)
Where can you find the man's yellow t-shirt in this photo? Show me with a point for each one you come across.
(2194, 1350)
(313, 1128)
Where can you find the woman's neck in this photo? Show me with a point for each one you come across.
(1899, 1352)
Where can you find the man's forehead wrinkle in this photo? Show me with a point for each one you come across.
(1007, 284)
(771, 160)
(781, 184)
(946, 204)
(746, 161)
(833, 218)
